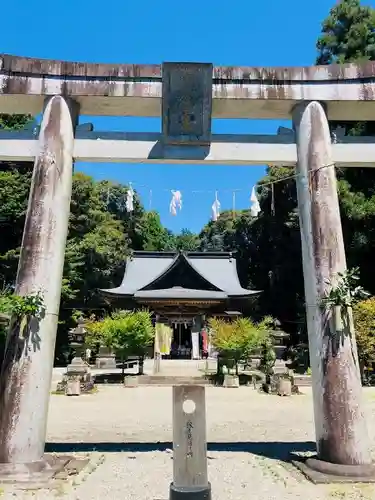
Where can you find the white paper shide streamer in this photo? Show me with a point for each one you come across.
(176, 202)
(129, 200)
(216, 208)
(255, 207)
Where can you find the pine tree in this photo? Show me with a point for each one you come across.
(348, 34)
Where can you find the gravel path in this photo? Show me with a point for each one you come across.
(249, 434)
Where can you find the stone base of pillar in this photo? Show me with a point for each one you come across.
(190, 493)
(41, 473)
(157, 363)
(320, 472)
(105, 359)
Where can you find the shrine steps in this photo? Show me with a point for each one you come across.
(170, 380)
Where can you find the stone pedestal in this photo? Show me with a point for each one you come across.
(42, 474)
(77, 379)
(131, 381)
(73, 387)
(105, 359)
(231, 381)
(284, 387)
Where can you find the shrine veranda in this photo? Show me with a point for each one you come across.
(187, 96)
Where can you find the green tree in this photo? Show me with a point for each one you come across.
(272, 242)
(152, 234)
(14, 189)
(114, 198)
(15, 122)
(347, 34)
(217, 236)
(96, 248)
(14, 192)
(186, 241)
(94, 258)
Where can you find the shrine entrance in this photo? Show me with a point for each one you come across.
(187, 96)
(181, 346)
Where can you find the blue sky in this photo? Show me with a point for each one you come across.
(244, 32)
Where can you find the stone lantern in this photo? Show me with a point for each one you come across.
(278, 340)
(77, 342)
(77, 378)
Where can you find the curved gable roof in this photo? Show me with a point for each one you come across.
(179, 260)
(140, 270)
(221, 272)
(146, 269)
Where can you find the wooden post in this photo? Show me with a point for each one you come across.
(340, 426)
(189, 444)
(27, 368)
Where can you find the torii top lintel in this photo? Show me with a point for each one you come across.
(237, 92)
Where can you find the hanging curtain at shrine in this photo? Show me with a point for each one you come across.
(163, 338)
(166, 340)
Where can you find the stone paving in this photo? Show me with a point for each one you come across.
(128, 433)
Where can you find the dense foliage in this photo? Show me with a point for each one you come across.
(347, 34)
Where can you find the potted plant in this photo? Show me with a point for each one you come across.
(235, 341)
(128, 333)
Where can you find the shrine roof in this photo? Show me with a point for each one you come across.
(216, 273)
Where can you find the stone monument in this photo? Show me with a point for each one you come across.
(190, 479)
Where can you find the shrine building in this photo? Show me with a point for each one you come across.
(182, 289)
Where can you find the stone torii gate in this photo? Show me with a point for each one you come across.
(186, 96)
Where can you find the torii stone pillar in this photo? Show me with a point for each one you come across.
(27, 369)
(340, 426)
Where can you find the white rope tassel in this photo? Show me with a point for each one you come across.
(129, 199)
(216, 208)
(255, 207)
(176, 202)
